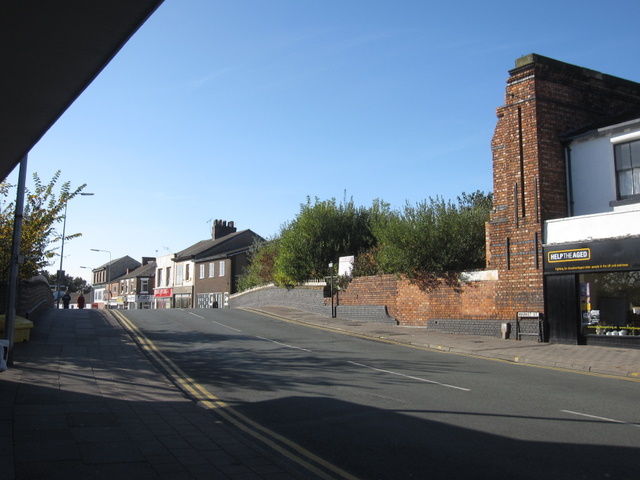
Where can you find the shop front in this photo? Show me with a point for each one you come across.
(162, 297)
(592, 292)
(182, 296)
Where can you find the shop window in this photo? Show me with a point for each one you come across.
(627, 158)
(610, 303)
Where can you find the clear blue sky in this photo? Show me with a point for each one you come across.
(239, 110)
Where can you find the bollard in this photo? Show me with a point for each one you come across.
(506, 330)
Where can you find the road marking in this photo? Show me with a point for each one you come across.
(634, 377)
(411, 377)
(283, 344)
(200, 394)
(217, 323)
(604, 419)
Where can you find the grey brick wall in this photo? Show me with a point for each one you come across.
(308, 300)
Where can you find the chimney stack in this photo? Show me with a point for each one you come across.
(221, 228)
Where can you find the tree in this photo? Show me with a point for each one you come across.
(74, 284)
(261, 268)
(321, 233)
(430, 239)
(43, 209)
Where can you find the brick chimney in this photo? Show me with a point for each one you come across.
(221, 228)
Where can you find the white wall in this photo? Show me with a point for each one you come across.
(592, 175)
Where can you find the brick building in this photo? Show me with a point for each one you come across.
(546, 101)
(557, 187)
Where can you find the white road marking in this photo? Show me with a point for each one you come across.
(283, 344)
(217, 323)
(605, 419)
(411, 377)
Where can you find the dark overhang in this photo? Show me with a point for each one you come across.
(50, 51)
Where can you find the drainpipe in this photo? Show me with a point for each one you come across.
(567, 156)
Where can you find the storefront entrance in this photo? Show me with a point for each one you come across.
(592, 292)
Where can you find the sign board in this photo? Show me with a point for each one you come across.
(528, 314)
(597, 256)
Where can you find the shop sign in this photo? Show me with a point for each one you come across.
(577, 255)
(163, 292)
(599, 256)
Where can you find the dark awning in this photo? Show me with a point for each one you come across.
(50, 51)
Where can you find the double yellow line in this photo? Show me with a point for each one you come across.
(197, 392)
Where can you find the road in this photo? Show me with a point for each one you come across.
(386, 411)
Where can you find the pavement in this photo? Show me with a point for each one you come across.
(82, 400)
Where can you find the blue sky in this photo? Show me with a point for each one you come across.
(239, 110)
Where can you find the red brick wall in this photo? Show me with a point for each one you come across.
(410, 305)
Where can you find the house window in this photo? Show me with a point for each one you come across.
(179, 272)
(168, 282)
(202, 270)
(627, 157)
(187, 272)
(221, 269)
(212, 269)
(159, 277)
(144, 285)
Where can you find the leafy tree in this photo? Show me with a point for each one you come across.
(43, 210)
(261, 268)
(74, 284)
(321, 233)
(433, 237)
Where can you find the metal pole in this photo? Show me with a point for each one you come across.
(64, 229)
(12, 287)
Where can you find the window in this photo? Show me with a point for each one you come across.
(168, 282)
(202, 270)
(187, 272)
(212, 269)
(627, 157)
(179, 272)
(159, 277)
(144, 285)
(221, 269)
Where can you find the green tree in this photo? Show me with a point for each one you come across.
(261, 268)
(74, 284)
(431, 238)
(321, 233)
(43, 210)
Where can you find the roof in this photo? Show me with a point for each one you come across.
(118, 267)
(146, 270)
(51, 52)
(631, 116)
(211, 247)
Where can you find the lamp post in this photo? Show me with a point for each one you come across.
(90, 285)
(108, 273)
(333, 311)
(64, 228)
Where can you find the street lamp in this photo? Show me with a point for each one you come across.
(64, 228)
(333, 311)
(108, 272)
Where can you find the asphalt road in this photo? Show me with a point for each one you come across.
(385, 411)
